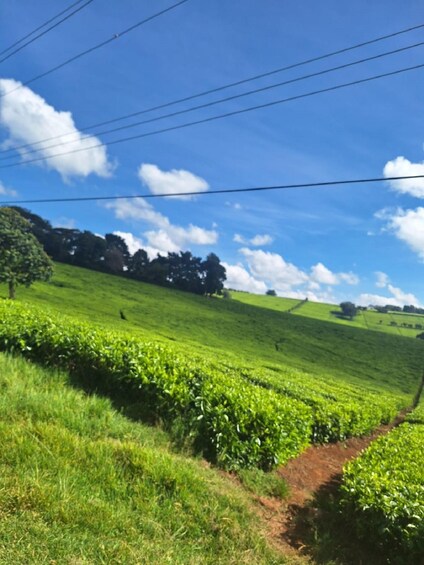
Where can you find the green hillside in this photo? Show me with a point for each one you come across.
(395, 323)
(230, 331)
(79, 483)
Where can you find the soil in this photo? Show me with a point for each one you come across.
(317, 472)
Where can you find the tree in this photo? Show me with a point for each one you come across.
(138, 265)
(22, 258)
(271, 292)
(348, 309)
(89, 251)
(214, 275)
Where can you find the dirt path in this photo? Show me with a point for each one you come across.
(317, 470)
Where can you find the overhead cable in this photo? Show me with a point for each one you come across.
(16, 43)
(95, 47)
(220, 101)
(225, 86)
(218, 117)
(321, 184)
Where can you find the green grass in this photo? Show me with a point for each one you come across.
(79, 483)
(228, 330)
(368, 319)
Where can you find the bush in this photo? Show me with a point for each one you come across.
(383, 492)
(233, 423)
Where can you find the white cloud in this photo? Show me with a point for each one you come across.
(135, 243)
(349, 278)
(256, 240)
(240, 279)
(272, 267)
(167, 237)
(7, 191)
(403, 167)
(408, 226)
(170, 182)
(382, 279)
(264, 269)
(29, 118)
(264, 239)
(397, 297)
(322, 275)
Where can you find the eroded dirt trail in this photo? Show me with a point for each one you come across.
(317, 471)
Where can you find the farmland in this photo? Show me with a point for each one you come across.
(242, 385)
(383, 490)
(395, 323)
(245, 335)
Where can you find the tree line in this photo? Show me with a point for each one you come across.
(110, 254)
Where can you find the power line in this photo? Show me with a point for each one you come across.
(222, 100)
(219, 116)
(44, 32)
(40, 27)
(97, 46)
(218, 191)
(226, 86)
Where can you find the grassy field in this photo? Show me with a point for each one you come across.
(228, 330)
(368, 319)
(79, 483)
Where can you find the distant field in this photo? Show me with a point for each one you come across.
(246, 334)
(368, 319)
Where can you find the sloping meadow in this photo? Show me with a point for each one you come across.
(234, 417)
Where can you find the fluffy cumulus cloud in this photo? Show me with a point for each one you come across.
(239, 278)
(273, 268)
(395, 296)
(171, 182)
(166, 236)
(28, 118)
(135, 243)
(401, 167)
(322, 275)
(265, 270)
(408, 226)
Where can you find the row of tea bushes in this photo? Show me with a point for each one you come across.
(233, 423)
(339, 410)
(383, 491)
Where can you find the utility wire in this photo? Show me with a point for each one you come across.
(95, 47)
(218, 191)
(40, 27)
(226, 86)
(44, 32)
(219, 116)
(222, 100)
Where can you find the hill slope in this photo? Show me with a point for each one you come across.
(395, 323)
(229, 330)
(81, 484)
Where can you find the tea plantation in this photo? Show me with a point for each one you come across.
(243, 385)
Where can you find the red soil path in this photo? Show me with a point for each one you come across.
(317, 469)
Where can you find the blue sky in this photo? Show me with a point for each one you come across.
(364, 243)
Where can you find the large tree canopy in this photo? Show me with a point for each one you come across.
(22, 258)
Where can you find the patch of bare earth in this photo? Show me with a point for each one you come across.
(316, 472)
